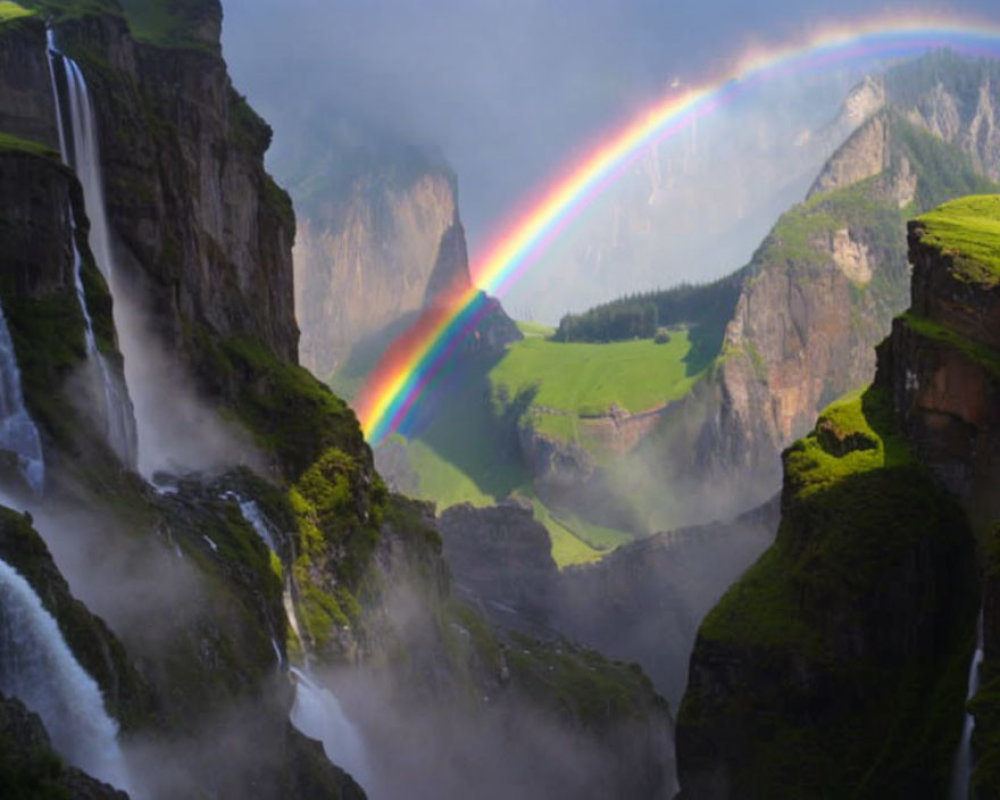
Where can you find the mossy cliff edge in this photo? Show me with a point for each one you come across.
(204, 235)
(836, 666)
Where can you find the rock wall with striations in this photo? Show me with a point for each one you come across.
(201, 230)
(372, 257)
(837, 664)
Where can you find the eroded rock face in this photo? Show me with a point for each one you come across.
(500, 558)
(26, 109)
(946, 386)
(827, 634)
(865, 154)
(370, 258)
(203, 233)
(29, 766)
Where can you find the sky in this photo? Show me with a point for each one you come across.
(507, 91)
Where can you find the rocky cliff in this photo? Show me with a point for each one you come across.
(379, 240)
(836, 664)
(211, 584)
(372, 257)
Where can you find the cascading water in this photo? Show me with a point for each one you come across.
(318, 714)
(38, 668)
(316, 711)
(80, 151)
(961, 770)
(17, 430)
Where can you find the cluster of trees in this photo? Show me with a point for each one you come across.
(640, 316)
(611, 322)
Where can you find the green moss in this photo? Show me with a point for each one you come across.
(34, 774)
(805, 623)
(579, 683)
(11, 11)
(171, 23)
(980, 354)
(289, 412)
(48, 336)
(59, 11)
(10, 142)
(967, 230)
(338, 511)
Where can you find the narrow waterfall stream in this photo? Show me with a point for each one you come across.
(18, 432)
(316, 711)
(38, 668)
(961, 770)
(79, 148)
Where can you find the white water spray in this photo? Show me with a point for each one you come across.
(38, 668)
(316, 711)
(18, 432)
(80, 151)
(961, 770)
(318, 714)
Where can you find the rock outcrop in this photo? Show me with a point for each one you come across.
(822, 291)
(501, 560)
(30, 768)
(371, 258)
(836, 664)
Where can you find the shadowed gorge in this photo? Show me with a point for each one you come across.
(292, 507)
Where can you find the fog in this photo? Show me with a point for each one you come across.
(510, 92)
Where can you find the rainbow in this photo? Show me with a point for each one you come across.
(416, 357)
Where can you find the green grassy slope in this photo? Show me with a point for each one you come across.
(586, 379)
(867, 544)
(968, 229)
(465, 452)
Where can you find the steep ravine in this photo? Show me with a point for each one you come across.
(193, 651)
(838, 663)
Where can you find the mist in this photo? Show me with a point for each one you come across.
(509, 93)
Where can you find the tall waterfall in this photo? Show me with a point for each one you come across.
(38, 668)
(80, 151)
(318, 714)
(17, 430)
(316, 711)
(961, 770)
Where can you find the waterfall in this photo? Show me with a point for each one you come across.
(17, 430)
(252, 514)
(316, 711)
(80, 151)
(38, 668)
(961, 770)
(318, 714)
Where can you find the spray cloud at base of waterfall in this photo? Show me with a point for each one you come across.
(318, 714)
(18, 432)
(39, 669)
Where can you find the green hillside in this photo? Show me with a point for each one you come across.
(466, 452)
(574, 380)
(969, 230)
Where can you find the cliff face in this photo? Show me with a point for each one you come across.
(823, 289)
(860, 618)
(203, 232)
(955, 99)
(501, 557)
(371, 258)
(546, 714)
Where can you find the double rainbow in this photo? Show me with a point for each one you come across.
(416, 357)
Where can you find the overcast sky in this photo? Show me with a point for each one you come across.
(507, 90)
